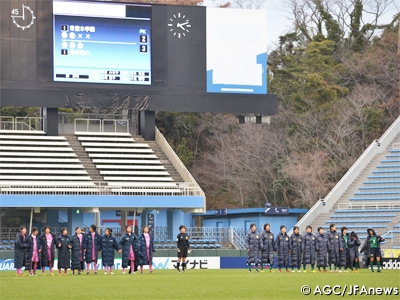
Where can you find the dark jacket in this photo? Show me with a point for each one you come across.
(143, 258)
(44, 260)
(128, 240)
(295, 241)
(108, 246)
(322, 248)
(64, 256)
(344, 255)
(29, 252)
(366, 246)
(353, 250)
(335, 243)
(20, 251)
(267, 247)
(253, 246)
(87, 246)
(308, 248)
(282, 245)
(76, 252)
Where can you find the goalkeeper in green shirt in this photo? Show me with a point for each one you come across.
(372, 248)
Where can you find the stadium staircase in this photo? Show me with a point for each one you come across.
(368, 195)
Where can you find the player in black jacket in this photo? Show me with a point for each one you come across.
(182, 244)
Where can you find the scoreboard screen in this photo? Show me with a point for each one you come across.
(98, 42)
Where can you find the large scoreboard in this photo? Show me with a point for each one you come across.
(183, 58)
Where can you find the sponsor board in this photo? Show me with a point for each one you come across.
(158, 263)
(391, 264)
(391, 253)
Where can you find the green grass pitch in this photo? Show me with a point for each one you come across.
(194, 284)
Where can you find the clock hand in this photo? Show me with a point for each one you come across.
(184, 23)
(23, 12)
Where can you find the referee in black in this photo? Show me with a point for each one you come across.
(182, 244)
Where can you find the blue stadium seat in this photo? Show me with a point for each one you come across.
(363, 216)
(376, 199)
(383, 176)
(360, 226)
(12, 242)
(382, 182)
(2, 247)
(384, 166)
(396, 247)
(394, 151)
(388, 187)
(389, 161)
(385, 171)
(357, 221)
(377, 193)
(392, 155)
(218, 246)
(5, 242)
(352, 211)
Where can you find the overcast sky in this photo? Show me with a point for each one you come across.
(279, 23)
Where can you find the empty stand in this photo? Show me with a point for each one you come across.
(126, 163)
(39, 160)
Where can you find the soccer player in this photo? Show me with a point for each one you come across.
(48, 242)
(76, 245)
(322, 248)
(33, 252)
(267, 248)
(282, 248)
(63, 245)
(108, 247)
(344, 256)
(129, 244)
(146, 249)
(308, 249)
(253, 246)
(372, 248)
(183, 248)
(335, 246)
(91, 247)
(354, 243)
(20, 249)
(295, 249)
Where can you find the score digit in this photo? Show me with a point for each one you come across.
(143, 48)
(143, 38)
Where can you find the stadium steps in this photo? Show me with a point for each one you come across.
(164, 160)
(85, 160)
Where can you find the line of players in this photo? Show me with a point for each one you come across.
(333, 249)
(34, 252)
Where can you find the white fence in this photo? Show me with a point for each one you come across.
(31, 124)
(186, 189)
(101, 125)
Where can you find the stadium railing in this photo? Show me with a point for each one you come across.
(367, 206)
(53, 188)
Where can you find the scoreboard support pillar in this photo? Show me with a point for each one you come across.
(146, 123)
(50, 120)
